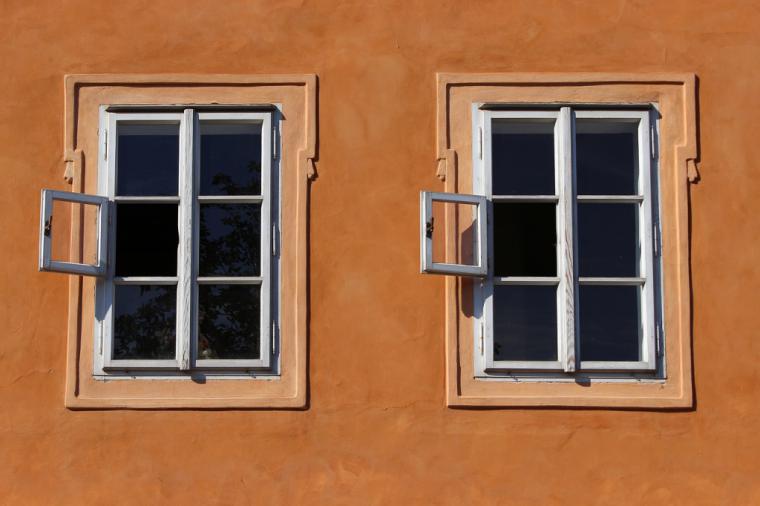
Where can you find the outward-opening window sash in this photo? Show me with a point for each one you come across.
(566, 279)
(187, 280)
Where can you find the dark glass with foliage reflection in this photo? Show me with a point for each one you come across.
(230, 240)
(144, 322)
(229, 321)
(230, 158)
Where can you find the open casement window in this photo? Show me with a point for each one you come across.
(46, 262)
(470, 244)
(190, 243)
(572, 277)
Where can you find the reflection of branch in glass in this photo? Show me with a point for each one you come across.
(146, 331)
(227, 186)
(228, 321)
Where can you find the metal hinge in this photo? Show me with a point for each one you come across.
(100, 337)
(482, 348)
(656, 239)
(658, 340)
(105, 144)
(275, 144)
(653, 142)
(275, 331)
(275, 239)
(480, 143)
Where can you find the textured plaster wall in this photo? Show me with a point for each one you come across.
(377, 430)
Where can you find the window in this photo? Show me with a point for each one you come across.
(571, 284)
(191, 278)
(585, 298)
(187, 228)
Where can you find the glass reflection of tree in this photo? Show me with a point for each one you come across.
(230, 235)
(149, 331)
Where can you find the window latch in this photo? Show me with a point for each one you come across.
(429, 226)
(48, 226)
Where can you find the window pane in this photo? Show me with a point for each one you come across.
(146, 239)
(144, 322)
(525, 239)
(230, 239)
(148, 159)
(610, 325)
(522, 157)
(608, 240)
(230, 158)
(229, 321)
(524, 322)
(606, 157)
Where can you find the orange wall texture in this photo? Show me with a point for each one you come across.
(377, 430)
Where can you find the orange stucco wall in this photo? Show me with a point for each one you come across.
(377, 430)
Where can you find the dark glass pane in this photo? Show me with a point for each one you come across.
(229, 321)
(608, 240)
(522, 155)
(610, 324)
(148, 159)
(146, 239)
(606, 158)
(524, 322)
(144, 322)
(230, 240)
(230, 158)
(525, 239)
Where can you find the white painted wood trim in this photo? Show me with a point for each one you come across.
(185, 258)
(564, 139)
(46, 263)
(426, 240)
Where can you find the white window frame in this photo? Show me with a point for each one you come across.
(567, 280)
(480, 239)
(187, 278)
(46, 262)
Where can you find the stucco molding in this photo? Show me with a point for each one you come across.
(675, 95)
(286, 392)
(688, 150)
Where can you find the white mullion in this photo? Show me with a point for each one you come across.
(565, 243)
(107, 184)
(140, 199)
(484, 341)
(265, 333)
(184, 253)
(646, 261)
(611, 199)
(612, 281)
(525, 198)
(230, 280)
(231, 199)
(526, 280)
(195, 227)
(145, 280)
